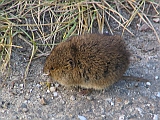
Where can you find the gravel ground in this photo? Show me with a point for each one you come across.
(125, 100)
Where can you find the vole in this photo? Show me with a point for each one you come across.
(90, 61)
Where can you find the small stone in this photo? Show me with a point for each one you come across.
(48, 91)
(81, 117)
(148, 83)
(127, 102)
(38, 96)
(103, 116)
(156, 77)
(72, 98)
(30, 90)
(155, 117)
(15, 117)
(43, 101)
(25, 102)
(136, 84)
(21, 85)
(121, 117)
(89, 98)
(112, 103)
(140, 111)
(38, 85)
(25, 109)
(23, 105)
(55, 94)
(56, 85)
(63, 102)
(27, 96)
(52, 89)
(158, 94)
(156, 19)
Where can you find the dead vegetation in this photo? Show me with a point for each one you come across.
(42, 24)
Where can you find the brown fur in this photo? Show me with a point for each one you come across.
(89, 61)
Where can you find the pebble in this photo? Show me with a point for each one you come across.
(140, 111)
(21, 85)
(156, 77)
(148, 83)
(158, 94)
(38, 85)
(81, 117)
(56, 85)
(55, 94)
(43, 101)
(89, 98)
(27, 96)
(63, 102)
(24, 107)
(48, 91)
(72, 98)
(121, 117)
(127, 102)
(52, 89)
(15, 117)
(155, 117)
(136, 84)
(112, 103)
(15, 86)
(30, 90)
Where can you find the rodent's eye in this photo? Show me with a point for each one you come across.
(71, 62)
(52, 68)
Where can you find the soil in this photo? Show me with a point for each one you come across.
(125, 100)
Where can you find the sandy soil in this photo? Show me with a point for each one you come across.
(125, 100)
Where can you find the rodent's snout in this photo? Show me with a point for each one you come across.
(46, 73)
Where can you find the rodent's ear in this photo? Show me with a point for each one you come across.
(71, 63)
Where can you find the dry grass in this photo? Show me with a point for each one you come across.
(42, 24)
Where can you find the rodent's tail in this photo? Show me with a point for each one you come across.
(133, 78)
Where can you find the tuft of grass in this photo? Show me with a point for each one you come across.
(43, 24)
(7, 32)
